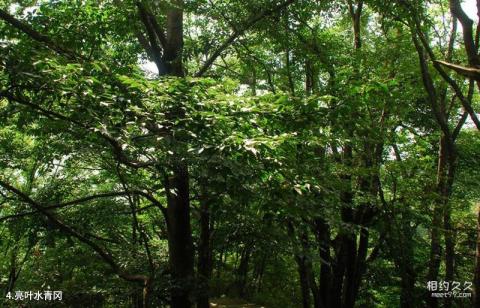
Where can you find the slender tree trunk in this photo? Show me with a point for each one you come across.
(306, 255)
(305, 271)
(348, 295)
(304, 285)
(12, 277)
(435, 245)
(220, 261)
(204, 256)
(322, 232)
(350, 255)
(339, 269)
(360, 263)
(435, 253)
(310, 78)
(288, 60)
(403, 250)
(447, 223)
(259, 271)
(476, 280)
(407, 284)
(242, 272)
(147, 291)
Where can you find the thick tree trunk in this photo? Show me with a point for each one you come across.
(180, 243)
(180, 239)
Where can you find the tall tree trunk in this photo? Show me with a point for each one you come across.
(435, 240)
(360, 263)
(242, 271)
(304, 263)
(448, 228)
(204, 268)
(403, 252)
(342, 266)
(310, 78)
(348, 295)
(476, 280)
(335, 298)
(407, 283)
(322, 232)
(304, 285)
(260, 270)
(180, 241)
(306, 254)
(13, 275)
(349, 239)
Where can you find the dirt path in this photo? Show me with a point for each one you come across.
(232, 303)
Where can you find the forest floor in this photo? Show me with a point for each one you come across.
(232, 303)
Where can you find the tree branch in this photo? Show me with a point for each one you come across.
(467, 25)
(469, 72)
(436, 64)
(37, 36)
(430, 89)
(69, 230)
(154, 49)
(116, 146)
(240, 31)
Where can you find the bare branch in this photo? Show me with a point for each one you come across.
(470, 72)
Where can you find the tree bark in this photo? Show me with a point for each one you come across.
(449, 232)
(180, 241)
(435, 244)
(204, 256)
(322, 232)
(242, 270)
(304, 285)
(476, 280)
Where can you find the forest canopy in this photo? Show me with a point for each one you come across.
(254, 153)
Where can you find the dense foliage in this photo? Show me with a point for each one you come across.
(287, 153)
